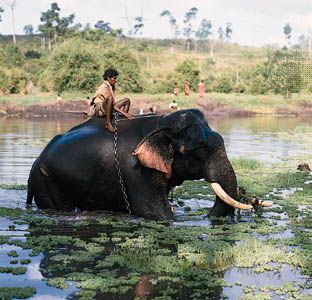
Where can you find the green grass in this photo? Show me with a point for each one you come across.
(40, 98)
(261, 104)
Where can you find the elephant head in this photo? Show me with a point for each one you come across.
(185, 148)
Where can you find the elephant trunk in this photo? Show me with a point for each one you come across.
(219, 172)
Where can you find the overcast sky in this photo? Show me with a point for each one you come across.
(254, 22)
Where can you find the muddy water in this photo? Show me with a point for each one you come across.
(269, 139)
(21, 141)
(263, 138)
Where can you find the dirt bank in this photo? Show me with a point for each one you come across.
(76, 108)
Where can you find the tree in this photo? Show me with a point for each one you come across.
(54, 25)
(1, 11)
(105, 26)
(220, 33)
(204, 30)
(228, 32)
(188, 30)
(138, 26)
(12, 4)
(50, 18)
(174, 26)
(28, 29)
(283, 72)
(287, 31)
(62, 26)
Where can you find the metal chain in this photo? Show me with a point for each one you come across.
(120, 177)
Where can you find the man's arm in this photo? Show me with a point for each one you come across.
(127, 115)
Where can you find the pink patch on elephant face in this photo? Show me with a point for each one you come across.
(152, 159)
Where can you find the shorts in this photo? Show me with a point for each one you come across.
(99, 110)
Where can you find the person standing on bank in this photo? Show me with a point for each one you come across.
(104, 100)
(186, 88)
(201, 89)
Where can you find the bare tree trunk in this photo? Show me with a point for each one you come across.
(43, 43)
(55, 37)
(49, 44)
(188, 45)
(212, 45)
(13, 25)
(310, 45)
(237, 77)
(195, 45)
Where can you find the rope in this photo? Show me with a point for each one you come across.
(120, 177)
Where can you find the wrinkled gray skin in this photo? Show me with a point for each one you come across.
(78, 170)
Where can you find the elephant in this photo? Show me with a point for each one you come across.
(155, 153)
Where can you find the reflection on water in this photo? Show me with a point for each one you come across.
(21, 141)
(266, 138)
(271, 278)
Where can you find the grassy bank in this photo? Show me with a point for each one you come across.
(260, 104)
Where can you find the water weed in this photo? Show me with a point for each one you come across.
(110, 255)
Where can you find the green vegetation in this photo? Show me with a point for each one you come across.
(13, 186)
(109, 255)
(69, 58)
(75, 66)
(115, 256)
(13, 253)
(14, 271)
(8, 293)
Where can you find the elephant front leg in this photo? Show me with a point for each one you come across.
(149, 197)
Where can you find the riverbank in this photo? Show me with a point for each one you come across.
(45, 104)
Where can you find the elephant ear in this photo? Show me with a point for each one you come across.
(155, 151)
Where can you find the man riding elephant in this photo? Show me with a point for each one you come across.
(104, 99)
(155, 153)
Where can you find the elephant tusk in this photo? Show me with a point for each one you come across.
(219, 191)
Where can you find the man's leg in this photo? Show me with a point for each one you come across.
(108, 107)
(123, 104)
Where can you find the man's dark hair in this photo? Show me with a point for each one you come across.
(109, 73)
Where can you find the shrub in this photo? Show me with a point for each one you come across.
(223, 84)
(72, 66)
(309, 88)
(11, 56)
(167, 85)
(32, 54)
(188, 70)
(13, 80)
(239, 87)
(129, 79)
(285, 76)
(259, 85)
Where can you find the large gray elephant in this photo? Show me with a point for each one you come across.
(155, 154)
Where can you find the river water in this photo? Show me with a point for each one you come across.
(269, 139)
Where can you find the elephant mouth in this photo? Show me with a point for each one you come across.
(219, 191)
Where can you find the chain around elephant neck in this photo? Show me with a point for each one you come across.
(120, 177)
